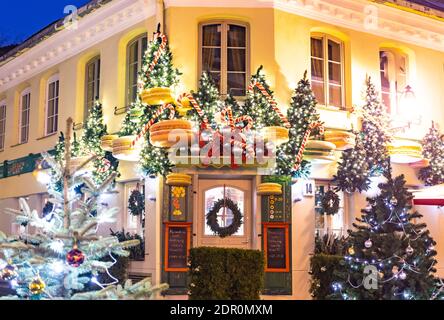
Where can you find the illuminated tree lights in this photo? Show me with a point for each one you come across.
(398, 252)
(375, 128)
(258, 107)
(208, 98)
(433, 149)
(353, 169)
(94, 129)
(158, 71)
(301, 113)
(64, 257)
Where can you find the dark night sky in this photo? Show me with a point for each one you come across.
(22, 18)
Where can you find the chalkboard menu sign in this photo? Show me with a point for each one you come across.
(276, 247)
(177, 246)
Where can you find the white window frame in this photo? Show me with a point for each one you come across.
(140, 56)
(325, 38)
(131, 223)
(96, 62)
(3, 111)
(330, 220)
(53, 79)
(25, 92)
(224, 52)
(394, 57)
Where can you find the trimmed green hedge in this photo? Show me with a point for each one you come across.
(322, 267)
(226, 274)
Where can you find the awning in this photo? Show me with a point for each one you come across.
(432, 196)
(428, 202)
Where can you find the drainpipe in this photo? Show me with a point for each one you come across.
(160, 14)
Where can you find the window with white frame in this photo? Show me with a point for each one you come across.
(325, 224)
(135, 53)
(394, 73)
(2, 125)
(92, 90)
(25, 108)
(224, 54)
(52, 105)
(327, 71)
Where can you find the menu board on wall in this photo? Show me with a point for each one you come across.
(276, 247)
(177, 246)
(275, 207)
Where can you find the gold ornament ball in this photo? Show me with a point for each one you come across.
(351, 250)
(37, 286)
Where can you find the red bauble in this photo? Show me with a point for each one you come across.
(75, 258)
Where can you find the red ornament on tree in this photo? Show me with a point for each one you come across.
(75, 257)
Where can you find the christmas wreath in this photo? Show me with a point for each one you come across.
(136, 203)
(214, 224)
(330, 203)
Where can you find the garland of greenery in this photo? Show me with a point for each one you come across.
(136, 203)
(330, 203)
(214, 224)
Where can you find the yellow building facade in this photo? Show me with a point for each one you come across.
(360, 39)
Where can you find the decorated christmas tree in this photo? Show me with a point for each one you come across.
(353, 169)
(208, 98)
(157, 71)
(301, 113)
(157, 66)
(258, 107)
(391, 253)
(94, 129)
(237, 108)
(433, 149)
(375, 126)
(63, 256)
(55, 181)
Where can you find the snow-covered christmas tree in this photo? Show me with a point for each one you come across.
(64, 253)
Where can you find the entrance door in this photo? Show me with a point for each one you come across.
(210, 191)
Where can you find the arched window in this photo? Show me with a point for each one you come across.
(92, 83)
(327, 70)
(394, 75)
(224, 216)
(224, 53)
(135, 53)
(52, 105)
(25, 108)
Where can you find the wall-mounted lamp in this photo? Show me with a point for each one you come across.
(408, 110)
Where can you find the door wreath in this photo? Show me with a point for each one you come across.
(136, 203)
(214, 224)
(330, 203)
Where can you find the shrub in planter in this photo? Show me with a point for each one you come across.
(225, 274)
(322, 268)
(330, 244)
